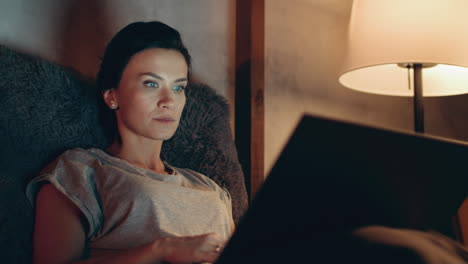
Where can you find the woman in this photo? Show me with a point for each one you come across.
(125, 204)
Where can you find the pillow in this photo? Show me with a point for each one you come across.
(46, 109)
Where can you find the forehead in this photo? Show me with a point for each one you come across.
(158, 60)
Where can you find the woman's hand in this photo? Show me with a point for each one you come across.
(190, 249)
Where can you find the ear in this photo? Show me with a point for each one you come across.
(110, 98)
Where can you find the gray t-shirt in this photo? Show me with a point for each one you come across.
(127, 206)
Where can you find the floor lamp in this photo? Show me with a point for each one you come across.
(408, 48)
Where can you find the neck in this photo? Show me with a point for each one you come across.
(142, 153)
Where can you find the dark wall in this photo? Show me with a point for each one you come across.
(75, 32)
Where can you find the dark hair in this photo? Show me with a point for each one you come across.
(132, 39)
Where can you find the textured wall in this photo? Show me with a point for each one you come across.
(75, 32)
(305, 44)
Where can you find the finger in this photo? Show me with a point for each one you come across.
(217, 248)
(210, 257)
(215, 236)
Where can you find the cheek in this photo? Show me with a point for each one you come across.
(182, 105)
(137, 99)
(136, 108)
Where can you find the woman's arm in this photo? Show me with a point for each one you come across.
(59, 237)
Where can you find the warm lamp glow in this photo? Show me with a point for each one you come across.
(390, 79)
(385, 33)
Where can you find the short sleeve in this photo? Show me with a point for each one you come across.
(72, 174)
(226, 197)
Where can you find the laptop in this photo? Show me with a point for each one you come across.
(335, 176)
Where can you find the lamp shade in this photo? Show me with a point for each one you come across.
(386, 35)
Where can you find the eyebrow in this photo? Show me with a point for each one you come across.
(154, 75)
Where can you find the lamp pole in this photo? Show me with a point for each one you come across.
(418, 98)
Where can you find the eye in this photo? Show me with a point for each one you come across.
(151, 84)
(178, 88)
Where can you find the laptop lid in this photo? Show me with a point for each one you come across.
(334, 176)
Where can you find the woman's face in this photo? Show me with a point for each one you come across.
(150, 95)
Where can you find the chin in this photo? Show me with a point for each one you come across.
(165, 138)
(162, 136)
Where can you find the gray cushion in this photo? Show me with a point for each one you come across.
(46, 109)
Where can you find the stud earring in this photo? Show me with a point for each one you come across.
(113, 106)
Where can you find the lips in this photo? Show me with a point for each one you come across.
(164, 119)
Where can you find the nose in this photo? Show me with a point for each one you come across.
(166, 99)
